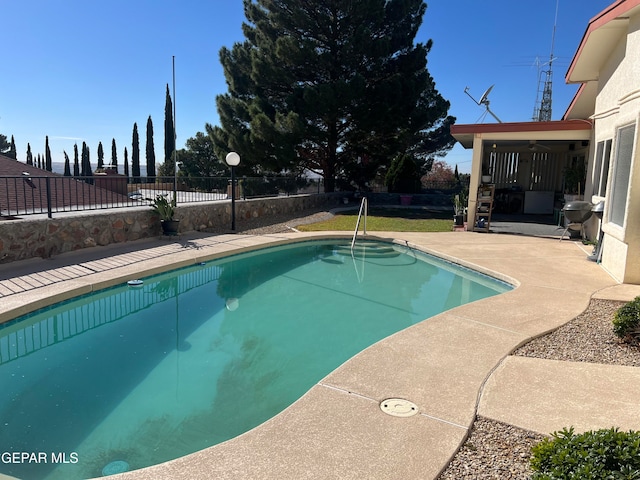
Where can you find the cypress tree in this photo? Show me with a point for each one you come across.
(151, 154)
(39, 162)
(126, 162)
(100, 156)
(76, 162)
(86, 162)
(83, 160)
(168, 167)
(67, 166)
(89, 170)
(114, 155)
(12, 150)
(135, 154)
(48, 165)
(29, 155)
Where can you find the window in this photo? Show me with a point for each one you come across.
(620, 181)
(601, 170)
(597, 171)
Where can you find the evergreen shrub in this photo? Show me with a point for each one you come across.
(601, 454)
(626, 321)
(403, 175)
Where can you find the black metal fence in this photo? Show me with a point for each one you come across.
(28, 195)
(430, 186)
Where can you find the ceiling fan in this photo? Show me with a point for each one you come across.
(536, 147)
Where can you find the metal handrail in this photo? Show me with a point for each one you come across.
(364, 207)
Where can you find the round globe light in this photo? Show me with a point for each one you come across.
(232, 304)
(232, 159)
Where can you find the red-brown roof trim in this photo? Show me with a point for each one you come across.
(553, 126)
(613, 11)
(574, 100)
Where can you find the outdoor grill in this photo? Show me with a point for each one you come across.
(598, 209)
(576, 213)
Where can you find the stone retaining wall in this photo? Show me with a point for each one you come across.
(31, 237)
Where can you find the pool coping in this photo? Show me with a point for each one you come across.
(337, 430)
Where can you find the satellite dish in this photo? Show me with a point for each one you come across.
(484, 100)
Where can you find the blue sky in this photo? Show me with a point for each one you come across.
(79, 70)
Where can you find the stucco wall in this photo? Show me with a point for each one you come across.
(31, 237)
(612, 254)
(618, 105)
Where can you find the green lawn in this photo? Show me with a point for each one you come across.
(387, 219)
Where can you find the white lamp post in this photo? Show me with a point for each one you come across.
(233, 160)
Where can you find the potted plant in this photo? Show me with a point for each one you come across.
(574, 180)
(165, 208)
(486, 174)
(459, 207)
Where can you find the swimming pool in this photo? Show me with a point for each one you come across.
(198, 356)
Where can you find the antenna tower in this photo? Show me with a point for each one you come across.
(542, 110)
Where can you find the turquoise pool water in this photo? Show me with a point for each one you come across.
(200, 355)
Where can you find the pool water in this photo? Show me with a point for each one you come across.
(200, 355)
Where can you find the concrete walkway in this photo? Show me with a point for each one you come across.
(452, 367)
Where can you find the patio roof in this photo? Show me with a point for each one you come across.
(523, 132)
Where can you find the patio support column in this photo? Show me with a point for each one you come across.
(476, 175)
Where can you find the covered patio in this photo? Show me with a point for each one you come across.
(533, 165)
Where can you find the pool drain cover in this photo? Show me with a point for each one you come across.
(398, 407)
(118, 466)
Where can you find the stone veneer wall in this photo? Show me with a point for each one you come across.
(31, 237)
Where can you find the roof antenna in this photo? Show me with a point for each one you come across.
(542, 110)
(484, 100)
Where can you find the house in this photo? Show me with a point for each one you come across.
(22, 187)
(593, 152)
(25, 189)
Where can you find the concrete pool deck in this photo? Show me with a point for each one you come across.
(453, 367)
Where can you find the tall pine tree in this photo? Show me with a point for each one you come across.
(29, 155)
(150, 152)
(135, 154)
(319, 84)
